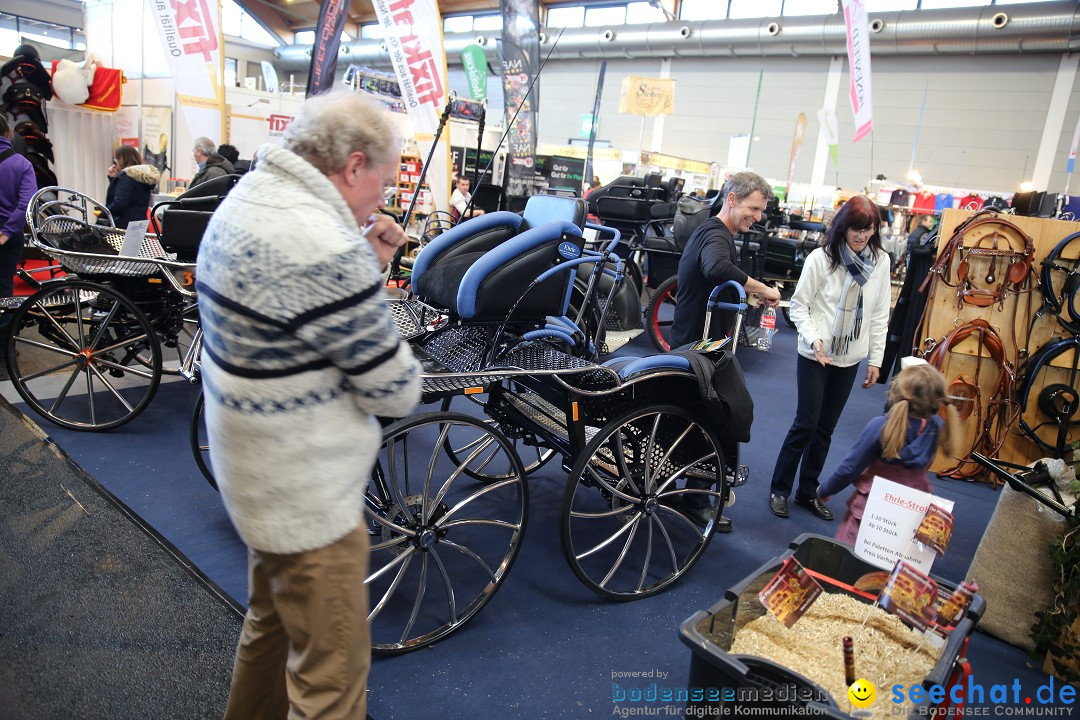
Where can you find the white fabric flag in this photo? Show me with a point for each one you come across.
(858, 49)
(190, 35)
(1071, 164)
(415, 43)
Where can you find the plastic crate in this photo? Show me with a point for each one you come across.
(712, 666)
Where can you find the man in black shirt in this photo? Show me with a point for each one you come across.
(710, 258)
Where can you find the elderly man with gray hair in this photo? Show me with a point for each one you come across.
(211, 165)
(301, 356)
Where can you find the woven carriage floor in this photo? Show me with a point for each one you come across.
(102, 620)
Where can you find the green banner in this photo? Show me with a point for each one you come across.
(475, 62)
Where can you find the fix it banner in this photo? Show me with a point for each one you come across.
(415, 43)
(324, 54)
(521, 63)
(190, 35)
(858, 50)
(796, 146)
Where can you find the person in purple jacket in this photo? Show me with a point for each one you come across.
(900, 445)
(17, 185)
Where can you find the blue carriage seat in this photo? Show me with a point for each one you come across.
(480, 268)
(626, 367)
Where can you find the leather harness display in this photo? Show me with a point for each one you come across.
(994, 411)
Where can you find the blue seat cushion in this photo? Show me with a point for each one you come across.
(541, 209)
(627, 366)
(492, 286)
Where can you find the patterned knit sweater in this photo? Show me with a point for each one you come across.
(300, 354)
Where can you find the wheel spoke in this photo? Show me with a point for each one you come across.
(44, 346)
(627, 526)
(451, 600)
(648, 555)
(426, 505)
(105, 381)
(474, 496)
(47, 371)
(470, 554)
(124, 368)
(64, 391)
(622, 553)
(421, 591)
(404, 560)
(630, 499)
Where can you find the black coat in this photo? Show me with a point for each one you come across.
(129, 193)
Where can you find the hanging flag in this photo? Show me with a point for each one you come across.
(1071, 165)
(594, 125)
(858, 48)
(647, 96)
(909, 595)
(475, 62)
(827, 118)
(796, 146)
(332, 14)
(190, 32)
(521, 63)
(415, 43)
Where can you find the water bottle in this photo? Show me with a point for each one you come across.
(768, 328)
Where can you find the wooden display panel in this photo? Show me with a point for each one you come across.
(1011, 321)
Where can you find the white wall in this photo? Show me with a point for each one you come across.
(984, 115)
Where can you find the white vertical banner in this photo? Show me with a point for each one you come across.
(1070, 166)
(415, 43)
(190, 36)
(858, 49)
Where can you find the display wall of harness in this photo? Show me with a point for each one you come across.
(1002, 336)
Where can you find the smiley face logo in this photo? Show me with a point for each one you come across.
(862, 693)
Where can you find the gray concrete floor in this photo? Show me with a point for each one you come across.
(98, 619)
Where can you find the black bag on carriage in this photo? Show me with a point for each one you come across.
(87, 239)
(727, 401)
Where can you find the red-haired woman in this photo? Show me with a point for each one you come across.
(841, 310)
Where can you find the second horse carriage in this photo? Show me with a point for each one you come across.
(650, 459)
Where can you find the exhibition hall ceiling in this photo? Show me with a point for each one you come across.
(287, 16)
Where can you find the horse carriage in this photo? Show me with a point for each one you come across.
(515, 375)
(88, 350)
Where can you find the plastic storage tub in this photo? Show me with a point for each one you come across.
(721, 683)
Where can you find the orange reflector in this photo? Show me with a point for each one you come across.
(574, 407)
(474, 390)
(153, 280)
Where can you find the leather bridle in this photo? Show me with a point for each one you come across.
(995, 413)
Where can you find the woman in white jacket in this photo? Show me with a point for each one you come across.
(841, 310)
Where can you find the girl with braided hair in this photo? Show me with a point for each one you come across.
(899, 445)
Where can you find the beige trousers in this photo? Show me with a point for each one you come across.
(305, 648)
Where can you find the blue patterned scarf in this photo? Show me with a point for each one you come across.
(847, 325)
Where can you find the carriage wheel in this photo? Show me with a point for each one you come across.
(529, 448)
(660, 313)
(200, 445)
(83, 356)
(641, 502)
(442, 543)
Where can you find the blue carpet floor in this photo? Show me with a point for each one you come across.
(545, 646)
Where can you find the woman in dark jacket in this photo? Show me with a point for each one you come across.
(131, 183)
